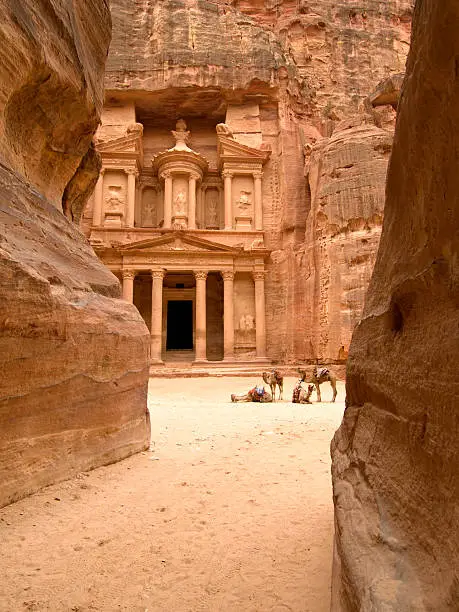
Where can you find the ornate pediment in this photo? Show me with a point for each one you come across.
(179, 241)
(232, 150)
(129, 143)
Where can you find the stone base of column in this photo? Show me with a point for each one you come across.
(156, 362)
(199, 361)
(262, 360)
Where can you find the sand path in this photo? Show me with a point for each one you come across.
(231, 511)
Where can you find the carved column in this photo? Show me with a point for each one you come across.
(228, 177)
(260, 313)
(192, 201)
(228, 314)
(167, 199)
(201, 332)
(98, 200)
(131, 176)
(128, 285)
(156, 315)
(257, 176)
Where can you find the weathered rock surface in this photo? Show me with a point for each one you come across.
(311, 69)
(73, 356)
(395, 456)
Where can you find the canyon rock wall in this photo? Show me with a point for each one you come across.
(73, 356)
(310, 69)
(396, 454)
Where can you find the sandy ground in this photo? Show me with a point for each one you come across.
(230, 511)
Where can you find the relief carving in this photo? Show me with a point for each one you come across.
(115, 199)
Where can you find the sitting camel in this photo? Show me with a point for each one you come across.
(300, 395)
(319, 376)
(257, 394)
(272, 379)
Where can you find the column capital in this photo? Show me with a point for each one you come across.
(258, 275)
(128, 273)
(133, 171)
(227, 174)
(257, 174)
(193, 175)
(200, 275)
(157, 273)
(227, 275)
(165, 174)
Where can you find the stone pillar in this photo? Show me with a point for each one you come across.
(192, 201)
(258, 200)
(228, 177)
(98, 200)
(130, 210)
(260, 314)
(201, 332)
(228, 315)
(128, 285)
(156, 315)
(167, 199)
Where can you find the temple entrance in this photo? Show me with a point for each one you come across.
(179, 325)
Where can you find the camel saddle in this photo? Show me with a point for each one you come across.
(320, 372)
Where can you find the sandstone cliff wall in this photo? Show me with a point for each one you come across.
(395, 456)
(73, 356)
(309, 67)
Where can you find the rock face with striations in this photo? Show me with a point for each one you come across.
(73, 355)
(396, 454)
(305, 73)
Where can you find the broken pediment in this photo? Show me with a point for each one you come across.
(230, 150)
(131, 142)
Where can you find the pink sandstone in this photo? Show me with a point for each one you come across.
(395, 456)
(73, 355)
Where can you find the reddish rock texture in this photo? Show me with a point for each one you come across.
(73, 356)
(395, 456)
(310, 68)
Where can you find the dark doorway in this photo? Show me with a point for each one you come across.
(179, 325)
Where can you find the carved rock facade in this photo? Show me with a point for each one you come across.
(294, 78)
(395, 456)
(73, 356)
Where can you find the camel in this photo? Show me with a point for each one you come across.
(272, 379)
(300, 395)
(319, 376)
(257, 394)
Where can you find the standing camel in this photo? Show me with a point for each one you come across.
(319, 376)
(272, 379)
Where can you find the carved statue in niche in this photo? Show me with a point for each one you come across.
(182, 136)
(149, 217)
(115, 199)
(246, 323)
(212, 210)
(244, 201)
(180, 203)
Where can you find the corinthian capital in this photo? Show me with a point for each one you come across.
(200, 275)
(258, 275)
(227, 174)
(157, 274)
(128, 273)
(228, 275)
